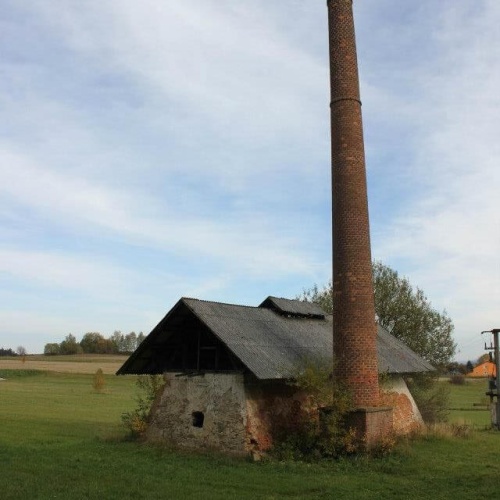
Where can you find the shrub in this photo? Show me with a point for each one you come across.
(136, 421)
(99, 381)
(430, 396)
(457, 379)
(319, 427)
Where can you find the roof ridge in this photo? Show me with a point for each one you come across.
(220, 303)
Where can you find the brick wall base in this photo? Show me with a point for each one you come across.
(372, 425)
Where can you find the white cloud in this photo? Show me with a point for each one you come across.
(64, 271)
(183, 145)
(209, 58)
(449, 237)
(247, 243)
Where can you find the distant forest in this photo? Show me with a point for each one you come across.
(7, 352)
(95, 343)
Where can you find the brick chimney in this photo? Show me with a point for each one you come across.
(354, 328)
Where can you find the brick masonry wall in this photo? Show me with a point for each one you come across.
(272, 409)
(241, 416)
(372, 424)
(354, 326)
(406, 415)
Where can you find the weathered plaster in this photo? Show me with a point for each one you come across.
(241, 414)
(406, 415)
(221, 400)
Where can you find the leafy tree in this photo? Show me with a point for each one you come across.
(408, 314)
(470, 366)
(90, 342)
(95, 343)
(140, 338)
(105, 346)
(118, 341)
(403, 310)
(130, 342)
(70, 346)
(51, 349)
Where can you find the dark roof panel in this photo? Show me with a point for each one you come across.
(272, 345)
(293, 307)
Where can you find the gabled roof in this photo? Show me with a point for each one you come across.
(273, 340)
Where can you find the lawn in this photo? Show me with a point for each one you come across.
(467, 403)
(61, 439)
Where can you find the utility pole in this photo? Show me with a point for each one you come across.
(494, 382)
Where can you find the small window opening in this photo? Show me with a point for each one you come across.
(198, 418)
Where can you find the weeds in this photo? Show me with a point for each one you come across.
(444, 430)
(319, 428)
(148, 386)
(431, 397)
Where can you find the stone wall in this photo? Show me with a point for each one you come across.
(224, 412)
(201, 412)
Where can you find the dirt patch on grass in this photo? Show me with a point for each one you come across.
(108, 367)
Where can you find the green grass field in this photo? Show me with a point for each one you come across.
(467, 403)
(60, 439)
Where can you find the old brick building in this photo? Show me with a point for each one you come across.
(228, 366)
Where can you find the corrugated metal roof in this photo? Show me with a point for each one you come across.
(275, 346)
(294, 307)
(394, 356)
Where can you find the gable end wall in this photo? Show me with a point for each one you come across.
(220, 398)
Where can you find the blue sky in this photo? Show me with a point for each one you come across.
(158, 149)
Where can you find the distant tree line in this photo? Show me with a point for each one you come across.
(7, 352)
(95, 343)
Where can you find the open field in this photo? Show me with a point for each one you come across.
(467, 403)
(61, 439)
(84, 363)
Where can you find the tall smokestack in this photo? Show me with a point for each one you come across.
(354, 328)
